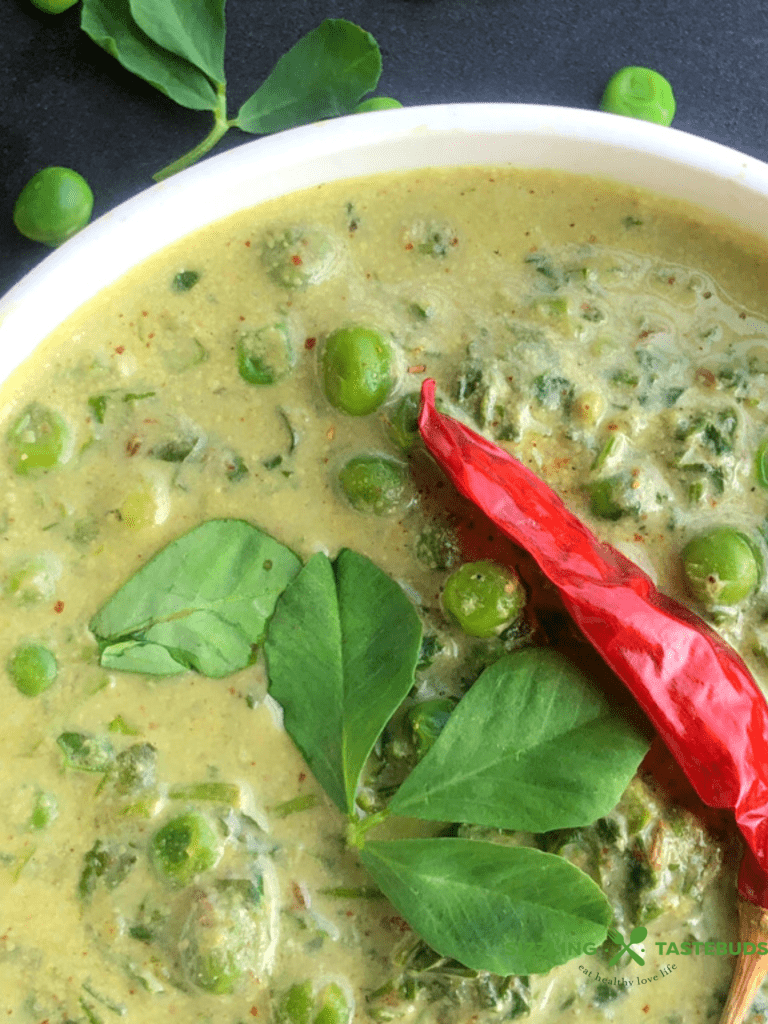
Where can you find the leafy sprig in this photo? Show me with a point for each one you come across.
(532, 747)
(178, 46)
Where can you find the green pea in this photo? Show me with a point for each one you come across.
(296, 1006)
(86, 753)
(641, 93)
(38, 440)
(135, 768)
(721, 567)
(377, 103)
(607, 498)
(54, 6)
(427, 720)
(265, 356)
(54, 205)
(356, 370)
(297, 256)
(334, 1008)
(32, 668)
(373, 484)
(483, 598)
(761, 464)
(401, 421)
(184, 847)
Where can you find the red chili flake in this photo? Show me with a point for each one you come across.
(59, 607)
(706, 377)
(254, 1011)
(241, 318)
(296, 260)
(144, 312)
(298, 895)
(302, 776)
(330, 433)
(646, 1008)
(310, 343)
(120, 349)
(454, 241)
(670, 280)
(151, 335)
(248, 245)
(132, 445)
(742, 316)
(409, 245)
(417, 369)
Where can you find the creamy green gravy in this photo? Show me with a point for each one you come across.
(493, 282)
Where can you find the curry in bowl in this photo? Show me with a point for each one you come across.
(242, 610)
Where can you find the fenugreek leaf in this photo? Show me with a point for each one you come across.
(110, 25)
(505, 909)
(532, 746)
(201, 603)
(341, 653)
(192, 29)
(324, 75)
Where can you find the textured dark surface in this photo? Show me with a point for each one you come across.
(66, 102)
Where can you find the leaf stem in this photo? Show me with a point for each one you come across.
(220, 127)
(358, 827)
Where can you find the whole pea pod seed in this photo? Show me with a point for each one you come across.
(356, 370)
(722, 566)
(483, 598)
(373, 484)
(642, 93)
(54, 6)
(54, 205)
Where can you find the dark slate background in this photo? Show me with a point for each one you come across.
(64, 101)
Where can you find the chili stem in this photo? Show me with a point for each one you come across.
(750, 970)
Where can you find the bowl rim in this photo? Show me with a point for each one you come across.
(607, 146)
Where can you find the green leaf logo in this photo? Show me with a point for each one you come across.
(625, 946)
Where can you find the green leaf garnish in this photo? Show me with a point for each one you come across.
(509, 910)
(178, 46)
(341, 654)
(192, 29)
(201, 603)
(532, 747)
(110, 25)
(325, 74)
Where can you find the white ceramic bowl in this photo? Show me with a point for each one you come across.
(607, 145)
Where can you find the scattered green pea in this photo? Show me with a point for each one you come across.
(296, 1007)
(721, 567)
(642, 93)
(401, 421)
(54, 205)
(32, 668)
(483, 598)
(265, 356)
(38, 440)
(54, 6)
(298, 257)
(373, 484)
(334, 1008)
(606, 498)
(377, 103)
(85, 752)
(356, 370)
(184, 847)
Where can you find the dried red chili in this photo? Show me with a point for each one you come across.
(695, 689)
